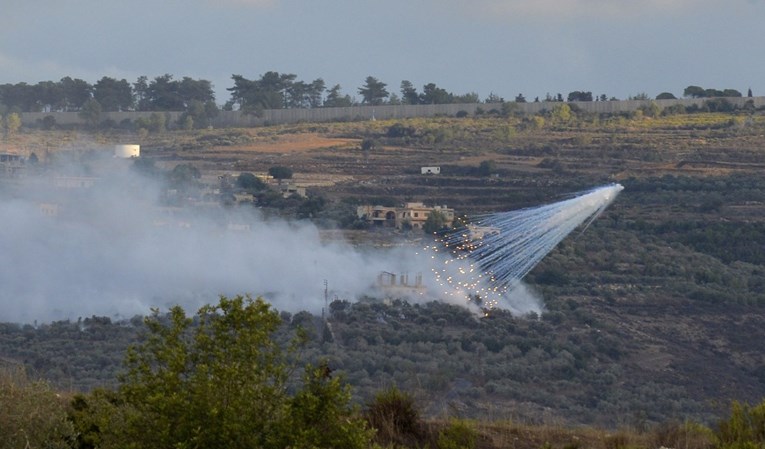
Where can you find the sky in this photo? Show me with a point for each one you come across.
(620, 48)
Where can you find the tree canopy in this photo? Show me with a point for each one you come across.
(276, 90)
(220, 380)
(409, 93)
(280, 172)
(250, 182)
(163, 93)
(432, 94)
(580, 96)
(436, 221)
(373, 92)
(113, 95)
(272, 90)
(335, 99)
(700, 92)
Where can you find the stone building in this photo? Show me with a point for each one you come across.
(411, 214)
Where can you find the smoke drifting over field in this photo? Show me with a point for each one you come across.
(73, 246)
(109, 250)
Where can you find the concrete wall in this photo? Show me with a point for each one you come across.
(279, 116)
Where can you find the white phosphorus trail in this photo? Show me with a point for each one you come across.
(492, 255)
(111, 250)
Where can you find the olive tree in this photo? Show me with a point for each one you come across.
(280, 172)
(561, 113)
(221, 380)
(436, 222)
(12, 124)
(250, 182)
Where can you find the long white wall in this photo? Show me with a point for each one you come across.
(278, 116)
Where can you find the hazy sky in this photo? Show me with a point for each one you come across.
(613, 47)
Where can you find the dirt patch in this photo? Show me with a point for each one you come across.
(290, 143)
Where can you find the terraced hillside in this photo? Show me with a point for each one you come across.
(655, 312)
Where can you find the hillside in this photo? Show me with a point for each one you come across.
(654, 313)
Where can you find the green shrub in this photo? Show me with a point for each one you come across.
(219, 380)
(395, 417)
(32, 415)
(745, 429)
(688, 435)
(460, 434)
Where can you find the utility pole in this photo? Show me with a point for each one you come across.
(326, 305)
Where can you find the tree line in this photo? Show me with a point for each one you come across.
(163, 93)
(272, 90)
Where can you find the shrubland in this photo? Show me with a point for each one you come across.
(230, 375)
(649, 334)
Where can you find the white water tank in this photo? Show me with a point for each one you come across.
(127, 151)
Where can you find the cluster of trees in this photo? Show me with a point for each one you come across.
(163, 93)
(273, 90)
(219, 380)
(700, 92)
(690, 91)
(223, 380)
(264, 196)
(183, 183)
(432, 94)
(580, 96)
(195, 97)
(196, 377)
(276, 90)
(374, 92)
(240, 374)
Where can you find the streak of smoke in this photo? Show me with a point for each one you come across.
(492, 256)
(109, 250)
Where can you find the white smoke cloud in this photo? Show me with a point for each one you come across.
(523, 300)
(111, 251)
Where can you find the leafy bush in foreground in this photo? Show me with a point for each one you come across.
(221, 380)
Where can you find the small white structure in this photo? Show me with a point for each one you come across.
(430, 170)
(127, 151)
(479, 232)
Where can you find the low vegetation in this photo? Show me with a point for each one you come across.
(226, 378)
(648, 336)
